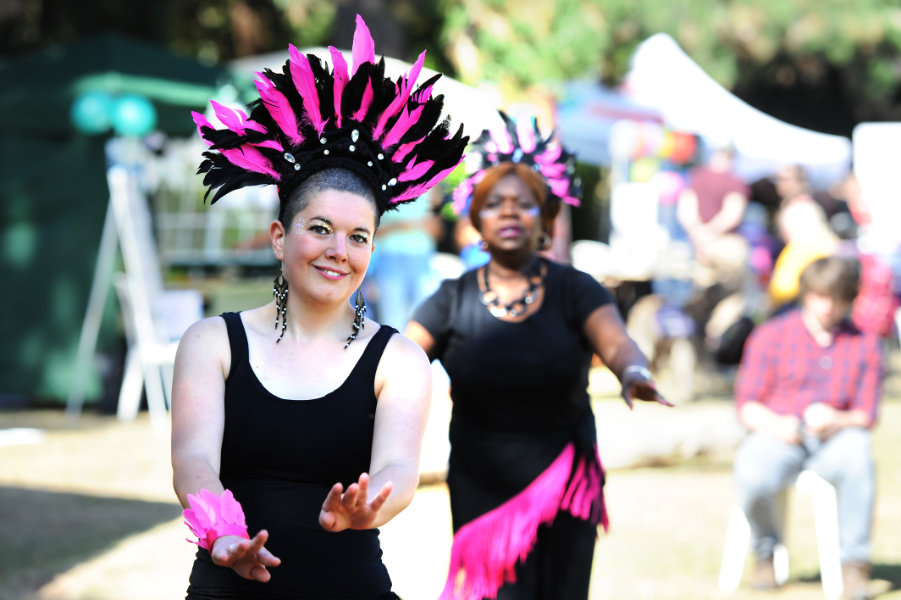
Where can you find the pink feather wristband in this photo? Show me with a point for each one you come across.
(210, 517)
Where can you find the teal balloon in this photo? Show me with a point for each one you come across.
(91, 112)
(134, 115)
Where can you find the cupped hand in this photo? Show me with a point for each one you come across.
(644, 390)
(248, 558)
(351, 509)
(822, 420)
(788, 429)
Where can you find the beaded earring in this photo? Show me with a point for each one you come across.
(359, 314)
(280, 291)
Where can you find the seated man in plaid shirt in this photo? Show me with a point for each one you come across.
(807, 390)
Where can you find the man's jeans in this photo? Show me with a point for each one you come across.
(765, 465)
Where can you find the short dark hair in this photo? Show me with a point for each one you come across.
(549, 204)
(342, 180)
(835, 276)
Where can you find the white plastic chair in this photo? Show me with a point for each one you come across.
(154, 318)
(825, 515)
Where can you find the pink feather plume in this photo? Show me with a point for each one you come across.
(236, 119)
(526, 134)
(365, 101)
(415, 171)
(279, 108)
(363, 50)
(503, 141)
(201, 122)
(305, 82)
(211, 516)
(402, 125)
(401, 153)
(249, 158)
(403, 94)
(418, 190)
(341, 79)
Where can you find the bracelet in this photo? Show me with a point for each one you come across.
(643, 372)
(211, 516)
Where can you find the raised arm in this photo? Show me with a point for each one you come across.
(198, 413)
(198, 420)
(403, 387)
(607, 334)
(422, 337)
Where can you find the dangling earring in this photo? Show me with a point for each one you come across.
(483, 245)
(359, 313)
(280, 291)
(544, 241)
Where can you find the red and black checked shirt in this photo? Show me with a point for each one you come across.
(786, 370)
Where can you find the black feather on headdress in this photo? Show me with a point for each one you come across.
(309, 118)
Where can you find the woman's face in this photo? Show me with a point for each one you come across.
(326, 249)
(511, 217)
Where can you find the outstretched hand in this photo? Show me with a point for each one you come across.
(351, 510)
(248, 558)
(642, 389)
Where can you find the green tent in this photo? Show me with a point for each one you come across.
(53, 195)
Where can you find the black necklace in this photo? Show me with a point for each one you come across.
(519, 306)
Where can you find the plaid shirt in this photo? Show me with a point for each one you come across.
(784, 369)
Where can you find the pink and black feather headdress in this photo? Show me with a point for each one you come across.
(521, 141)
(309, 118)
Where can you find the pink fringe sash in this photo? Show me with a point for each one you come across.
(486, 550)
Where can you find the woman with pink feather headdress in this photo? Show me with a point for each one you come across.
(516, 336)
(307, 433)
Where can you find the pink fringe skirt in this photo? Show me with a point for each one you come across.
(486, 550)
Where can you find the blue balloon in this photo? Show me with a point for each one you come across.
(133, 115)
(91, 112)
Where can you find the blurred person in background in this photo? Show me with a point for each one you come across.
(308, 432)
(808, 391)
(806, 235)
(402, 263)
(516, 337)
(710, 209)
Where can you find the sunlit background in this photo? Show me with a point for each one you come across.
(108, 250)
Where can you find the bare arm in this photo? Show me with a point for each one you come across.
(687, 210)
(403, 387)
(422, 337)
(198, 414)
(198, 420)
(730, 215)
(758, 417)
(607, 334)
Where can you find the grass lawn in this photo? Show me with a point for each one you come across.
(88, 514)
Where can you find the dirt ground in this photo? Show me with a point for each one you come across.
(88, 513)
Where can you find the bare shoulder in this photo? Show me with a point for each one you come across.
(208, 337)
(403, 363)
(402, 350)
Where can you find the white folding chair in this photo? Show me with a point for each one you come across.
(825, 514)
(154, 318)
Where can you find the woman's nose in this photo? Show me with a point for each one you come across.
(337, 248)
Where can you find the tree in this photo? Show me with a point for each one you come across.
(846, 57)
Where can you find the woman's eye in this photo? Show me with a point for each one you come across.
(359, 238)
(320, 229)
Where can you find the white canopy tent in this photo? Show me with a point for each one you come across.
(665, 78)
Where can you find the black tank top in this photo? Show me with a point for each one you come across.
(279, 458)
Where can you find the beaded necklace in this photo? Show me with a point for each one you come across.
(517, 307)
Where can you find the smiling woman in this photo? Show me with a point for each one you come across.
(309, 429)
